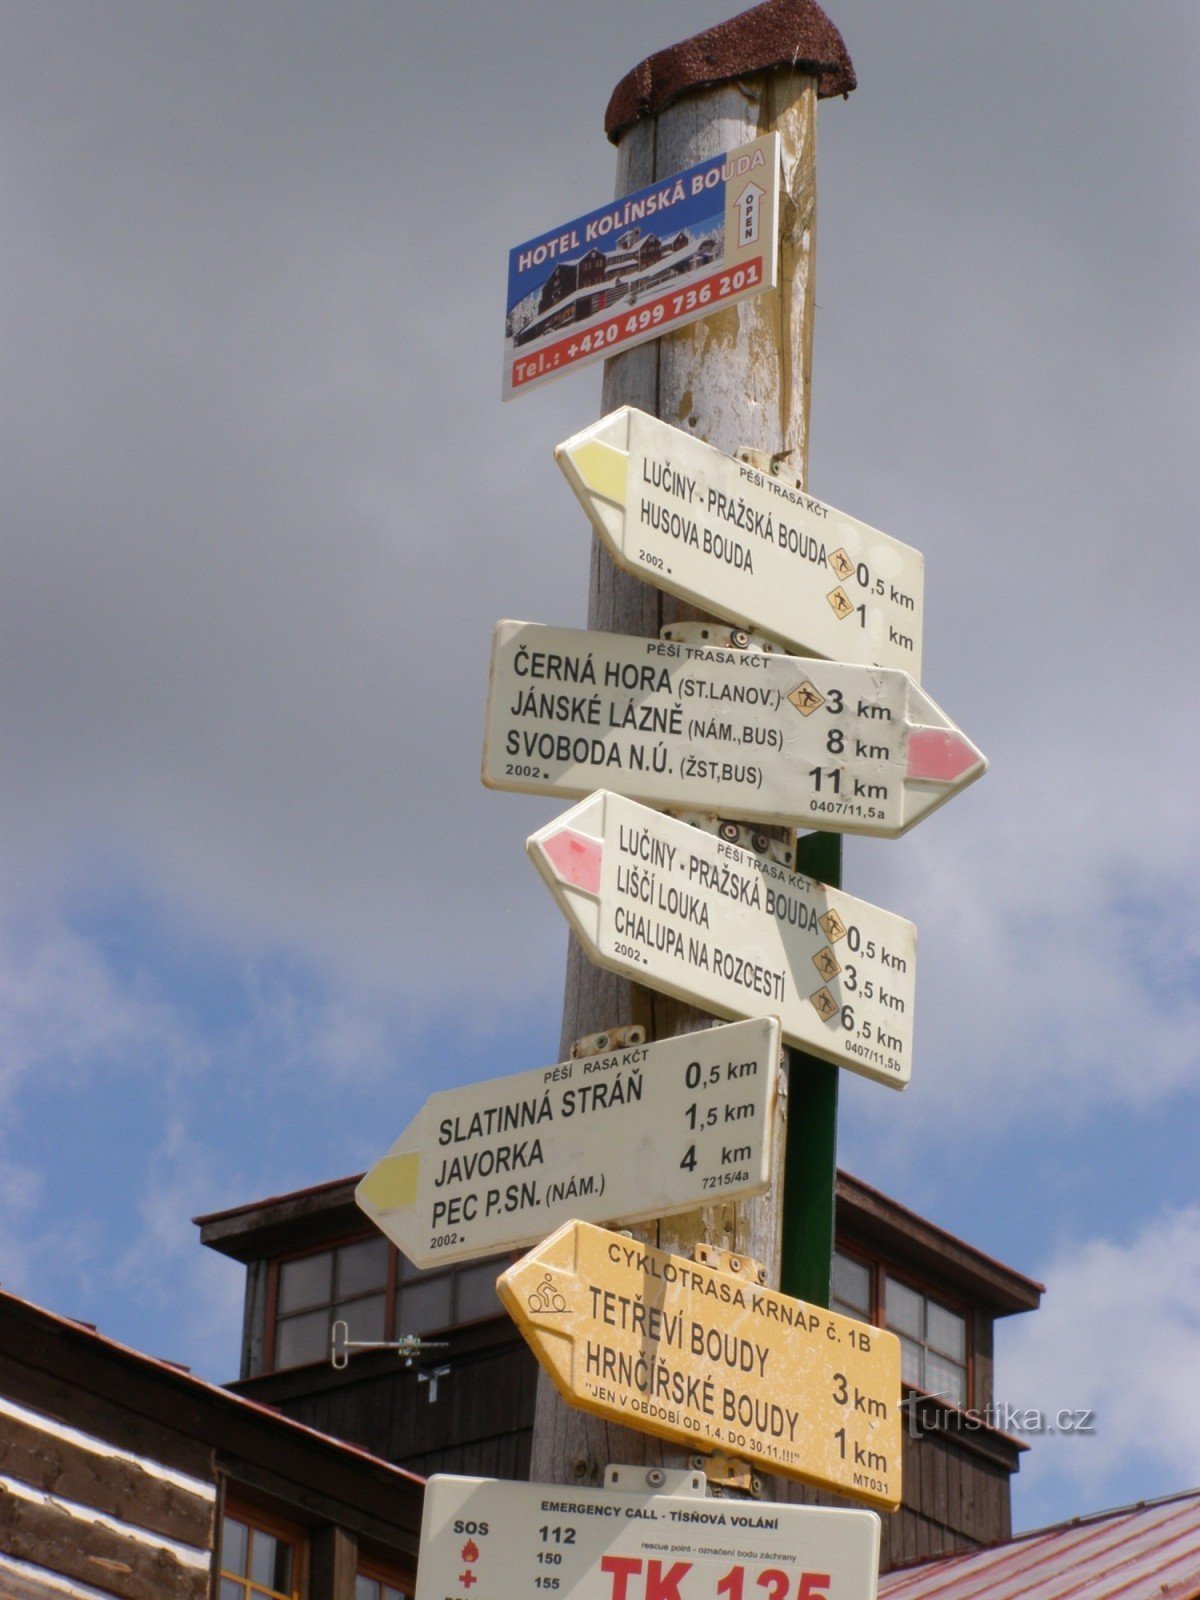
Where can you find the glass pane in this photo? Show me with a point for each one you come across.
(364, 1318)
(362, 1267)
(852, 1283)
(946, 1331)
(477, 1295)
(366, 1588)
(271, 1562)
(910, 1363)
(424, 1305)
(234, 1542)
(231, 1589)
(902, 1309)
(945, 1378)
(306, 1282)
(407, 1271)
(392, 1594)
(302, 1339)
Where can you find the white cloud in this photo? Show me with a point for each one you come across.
(1118, 1334)
(65, 1016)
(163, 1269)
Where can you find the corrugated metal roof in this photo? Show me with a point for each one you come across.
(1144, 1552)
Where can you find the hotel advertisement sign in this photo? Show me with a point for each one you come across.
(656, 259)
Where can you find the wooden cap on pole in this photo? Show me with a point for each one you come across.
(780, 33)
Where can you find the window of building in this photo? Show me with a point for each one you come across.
(347, 1283)
(933, 1335)
(429, 1301)
(376, 1291)
(260, 1557)
(376, 1583)
(852, 1291)
(933, 1341)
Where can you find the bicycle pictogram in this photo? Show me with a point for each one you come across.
(546, 1297)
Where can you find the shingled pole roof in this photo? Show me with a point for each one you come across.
(778, 33)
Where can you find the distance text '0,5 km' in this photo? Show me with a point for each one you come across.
(746, 546)
(637, 1133)
(684, 912)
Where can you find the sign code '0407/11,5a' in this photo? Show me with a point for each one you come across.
(743, 733)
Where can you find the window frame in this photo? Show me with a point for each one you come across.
(396, 1280)
(274, 1316)
(254, 1517)
(881, 1270)
(382, 1573)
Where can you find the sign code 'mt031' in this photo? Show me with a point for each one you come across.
(682, 911)
(484, 1539)
(691, 520)
(699, 1356)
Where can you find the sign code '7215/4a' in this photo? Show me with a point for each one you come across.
(630, 1134)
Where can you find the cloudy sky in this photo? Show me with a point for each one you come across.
(262, 505)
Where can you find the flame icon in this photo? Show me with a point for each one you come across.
(470, 1551)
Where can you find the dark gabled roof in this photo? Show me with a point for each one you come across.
(55, 1361)
(894, 1230)
(310, 1217)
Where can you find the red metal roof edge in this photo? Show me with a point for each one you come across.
(778, 33)
(1089, 1517)
(957, 1558)
(181, 1375)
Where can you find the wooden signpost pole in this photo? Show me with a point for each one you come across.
(739, 378)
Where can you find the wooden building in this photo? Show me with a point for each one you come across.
(126, 1478)
(467, 1405)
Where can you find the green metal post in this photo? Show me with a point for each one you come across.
(810, 1164)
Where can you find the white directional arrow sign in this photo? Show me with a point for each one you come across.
(620, 1136)
(765, 738)
(743, 545)
(683, 911)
